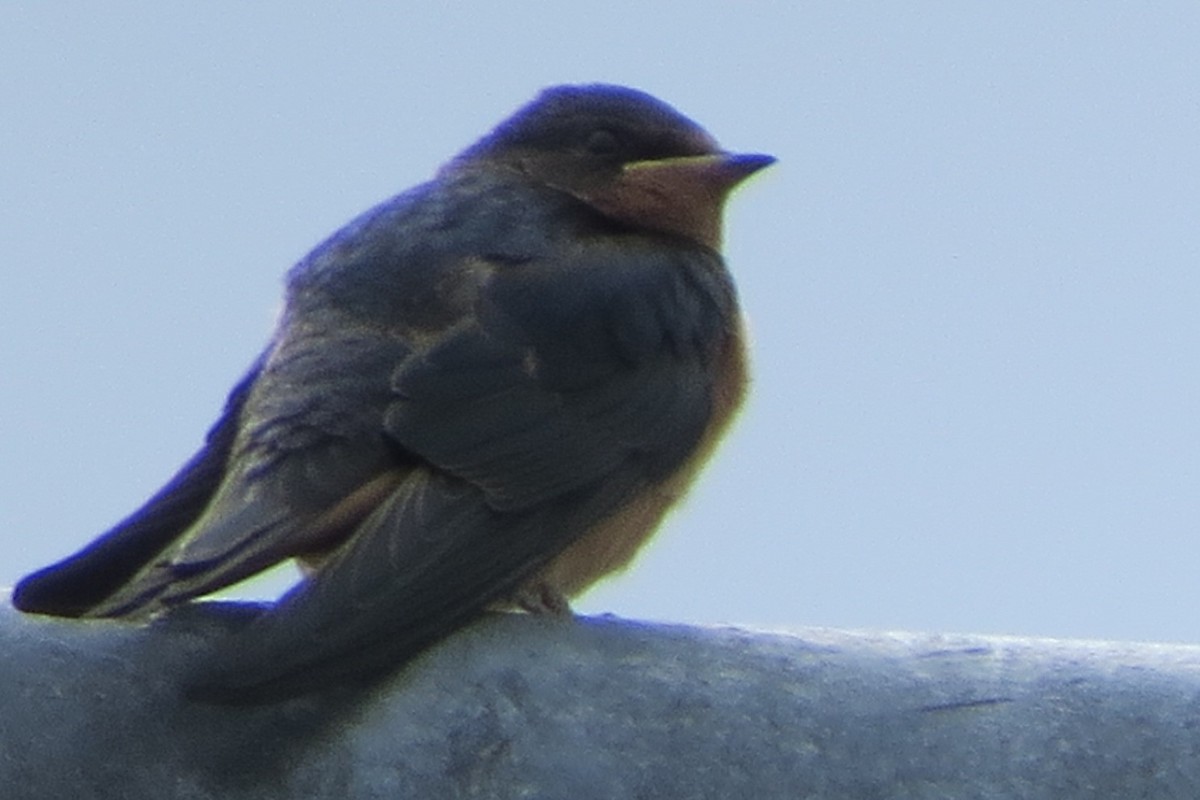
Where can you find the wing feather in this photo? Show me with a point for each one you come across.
(78, 583)
(518, 456)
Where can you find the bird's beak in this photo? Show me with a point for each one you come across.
(720, 171)
(683, 195)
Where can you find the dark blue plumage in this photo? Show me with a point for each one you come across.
(489, 388)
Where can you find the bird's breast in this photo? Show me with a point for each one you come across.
(611, 545)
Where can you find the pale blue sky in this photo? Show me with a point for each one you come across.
(973, 276)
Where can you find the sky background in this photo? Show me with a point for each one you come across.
(973, 278)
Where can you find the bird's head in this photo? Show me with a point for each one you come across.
(631, 157)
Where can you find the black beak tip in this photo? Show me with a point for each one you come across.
(749, 163)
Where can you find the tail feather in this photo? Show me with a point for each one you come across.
(429, 560)
(74, 586)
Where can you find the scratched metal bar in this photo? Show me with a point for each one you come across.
(520, 706)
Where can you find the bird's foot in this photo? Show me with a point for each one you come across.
(542, 598)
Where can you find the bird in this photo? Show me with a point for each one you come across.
(485, 392)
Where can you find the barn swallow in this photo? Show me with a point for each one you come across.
(487, 390)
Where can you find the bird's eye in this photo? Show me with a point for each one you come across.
(602, 142)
